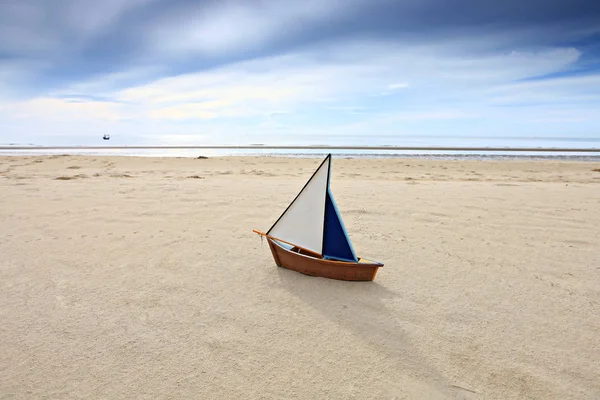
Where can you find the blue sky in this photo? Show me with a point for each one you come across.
(282, 72)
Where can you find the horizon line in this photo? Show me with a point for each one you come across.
(309, 147)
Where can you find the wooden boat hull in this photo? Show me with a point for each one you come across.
(302, 261)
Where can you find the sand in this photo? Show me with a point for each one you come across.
(127, 278)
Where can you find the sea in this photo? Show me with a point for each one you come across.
(339, 148)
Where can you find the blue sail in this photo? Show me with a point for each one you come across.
(336, 243)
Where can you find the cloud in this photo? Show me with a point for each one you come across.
(152, 68)
(572, 91)
(55, 110)
(249, 92)
(38, 28)
(219, 28)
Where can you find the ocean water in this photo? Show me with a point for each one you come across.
(587, 141)
(507, 142)
(316, 153)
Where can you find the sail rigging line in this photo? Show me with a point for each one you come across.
(265, 235)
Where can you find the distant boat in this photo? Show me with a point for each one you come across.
(106, 137)
(310, 236)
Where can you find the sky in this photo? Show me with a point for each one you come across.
(185, 72)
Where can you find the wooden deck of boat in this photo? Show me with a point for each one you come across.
(365, 261)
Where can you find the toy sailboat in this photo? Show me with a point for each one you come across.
(310, 236)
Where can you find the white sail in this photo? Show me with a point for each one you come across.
(303, 221)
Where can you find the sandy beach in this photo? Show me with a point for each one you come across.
(133, 277)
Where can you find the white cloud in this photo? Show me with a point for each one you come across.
(302, 79)
(89, 17)
(572, 90)
(16, 34)
(107, 84)
(52, 109)
(56, 29)
(226, 27)
(238, 101)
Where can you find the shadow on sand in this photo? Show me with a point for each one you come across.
(377, 316)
